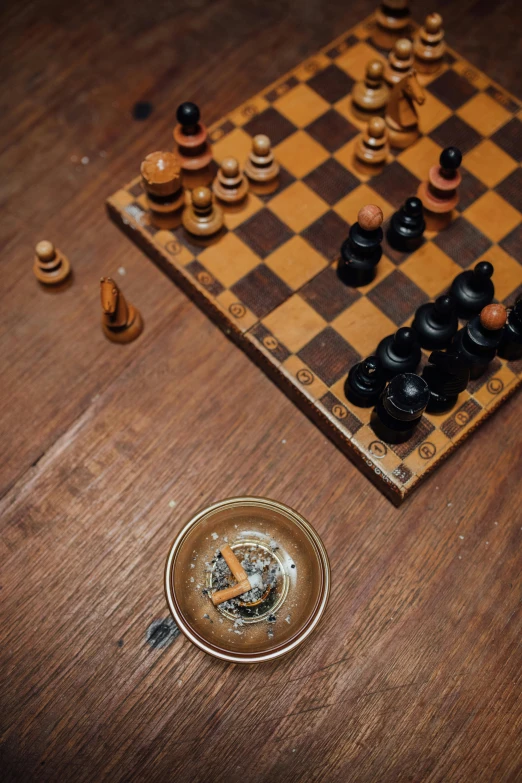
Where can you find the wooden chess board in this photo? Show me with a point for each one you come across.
(269, 278)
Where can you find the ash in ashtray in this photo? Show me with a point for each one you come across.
(262, 571)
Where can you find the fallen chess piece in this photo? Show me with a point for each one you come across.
(401, 113)
(473, 289)
(447, 375)
(436, 323)
(400, 352)
(230, 185)
(121, 321)
(479, 339)
(428, 45)
(407, 225)
(362, 251)
(365, 383)
(510, 347)
(261, 168)
(202, 217)
(400, 62)
(163, 184)
(370, 96)
(392, 22)
(50, 266)
(400, 408)
(372, 147)
(439, 193)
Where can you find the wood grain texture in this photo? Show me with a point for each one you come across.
(414, 673)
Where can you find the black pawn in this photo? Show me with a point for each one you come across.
(510, 347)
(399, 352)
(480, 338)
(436, 322)
(362, 251)
(447, 374)
(407, 226)
(450, 160)
(400, 408)
(473, 290)
(365, 382)
(188, 117)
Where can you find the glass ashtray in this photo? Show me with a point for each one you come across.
(287, 565)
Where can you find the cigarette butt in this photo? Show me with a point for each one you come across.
(231, 592)
(233, 563)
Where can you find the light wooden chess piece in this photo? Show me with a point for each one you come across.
(202, 217)
(50, 266)
(439, 194)
(372, 147)
(230, 185)
(392, 21)
(261, 168)
(429, 46)
(370, 96)
(401, 114)
(400, 62)
(121, 321)
(163, 183)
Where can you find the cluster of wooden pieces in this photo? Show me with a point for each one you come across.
(391, 90)
(166, 175)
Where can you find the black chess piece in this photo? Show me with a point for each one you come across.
(365, 382)
(510, 347)
(362, 251)
(188, 117)
(400, 408)
(407, 226)
(447, 374)
(473, 290)
(480, 338)
(399, 352)
(436, 322)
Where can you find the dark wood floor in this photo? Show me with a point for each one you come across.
(414, 674)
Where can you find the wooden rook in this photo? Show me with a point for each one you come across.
(50, 266)
(121, 321)
(162, 181)
(261, 168)
(429, 46)
(202, 217)
(372, 148)
(392, 22)
(399, 63)
(401, 113)
(439, 193)
(371, 95)
(230, 185)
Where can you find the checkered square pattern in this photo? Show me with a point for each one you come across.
(328, 355)
(331, 181)
(454, 132)
(398, 297)
(269, 277)
(264, 232)
(462, 242)
(332, 130)
(509, 139)
(261, 291)
(395, 184)
(452, 89)
(332, 84)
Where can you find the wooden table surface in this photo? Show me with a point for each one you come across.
(414, 673)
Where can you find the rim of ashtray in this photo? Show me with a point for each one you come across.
(315, 615)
